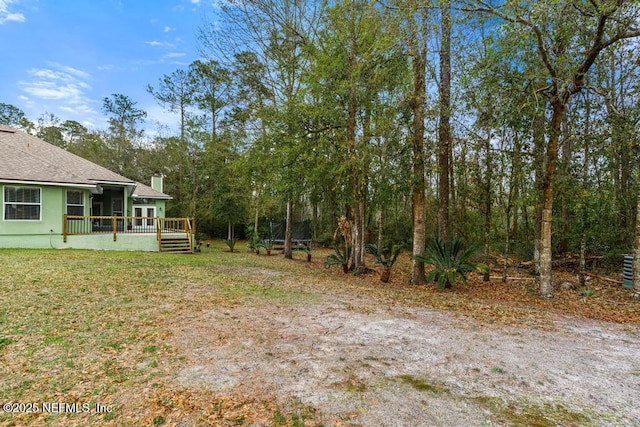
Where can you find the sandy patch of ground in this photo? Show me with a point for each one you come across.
(362, 362)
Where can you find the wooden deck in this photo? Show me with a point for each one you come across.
(173, 234)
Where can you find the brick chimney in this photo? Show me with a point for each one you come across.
(156, 181)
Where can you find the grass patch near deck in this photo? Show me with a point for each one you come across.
(92, 327)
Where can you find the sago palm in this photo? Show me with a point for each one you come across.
(341, 257)
(385, 256)
(451, 261)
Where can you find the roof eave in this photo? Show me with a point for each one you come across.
(47, 183)
(140, 196)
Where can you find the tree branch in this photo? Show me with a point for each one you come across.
(542, 50)
(598, 46)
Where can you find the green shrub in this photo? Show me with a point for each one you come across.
(253, 241)
(385, 256)
(451, 261)
(342, 256)
(231, 243)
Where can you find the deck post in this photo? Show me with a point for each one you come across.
(193, 233)
(64, 229)
(115, 227)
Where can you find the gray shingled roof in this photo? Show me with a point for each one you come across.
(24, 157)
(145, 192)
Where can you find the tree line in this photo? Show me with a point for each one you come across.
(511, 124)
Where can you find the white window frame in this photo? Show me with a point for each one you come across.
(74, 204)
(5, 203)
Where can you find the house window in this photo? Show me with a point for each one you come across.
(22, 203)
(75, 203)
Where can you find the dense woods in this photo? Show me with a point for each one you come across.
(510, 124)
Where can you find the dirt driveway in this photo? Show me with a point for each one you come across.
(359, 361)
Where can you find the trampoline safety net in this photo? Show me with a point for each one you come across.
(301, 231)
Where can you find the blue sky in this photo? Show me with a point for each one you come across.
(65, 56)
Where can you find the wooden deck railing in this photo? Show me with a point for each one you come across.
(76, 225)
(175, 225)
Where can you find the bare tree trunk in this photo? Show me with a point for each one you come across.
(514, 186)
(381, 220)
(585, 174)
(506, 242)
(362, 188)
(625, 180)
(356, 168)
(418, 64)
(487, 197)
(288, 233)
(516, 212)
(358, 237)
(444, 130)
(538, 158)
(563, 241)
(546, 277)
(636, 255)
(315, 220)
(362, 238)
(454, 202)
(256, 220)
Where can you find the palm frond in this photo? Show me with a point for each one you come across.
(386, 256)
(451, 261)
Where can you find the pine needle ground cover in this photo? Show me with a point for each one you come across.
(91, 328)
(153, 339)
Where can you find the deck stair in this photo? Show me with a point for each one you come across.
(175, 244)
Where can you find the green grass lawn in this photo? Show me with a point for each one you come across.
(90, 327)
(95, 329)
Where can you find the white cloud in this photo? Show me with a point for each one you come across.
(55, 84)
(61, 90)
(65, 85)
(167, 29)
(110, 67)
(187, 4)
(73, 71)
(12, 17)
(6, 15)
(175, 55)
(78, 110)
(156, 43)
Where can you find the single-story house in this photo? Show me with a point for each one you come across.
(52, 198)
